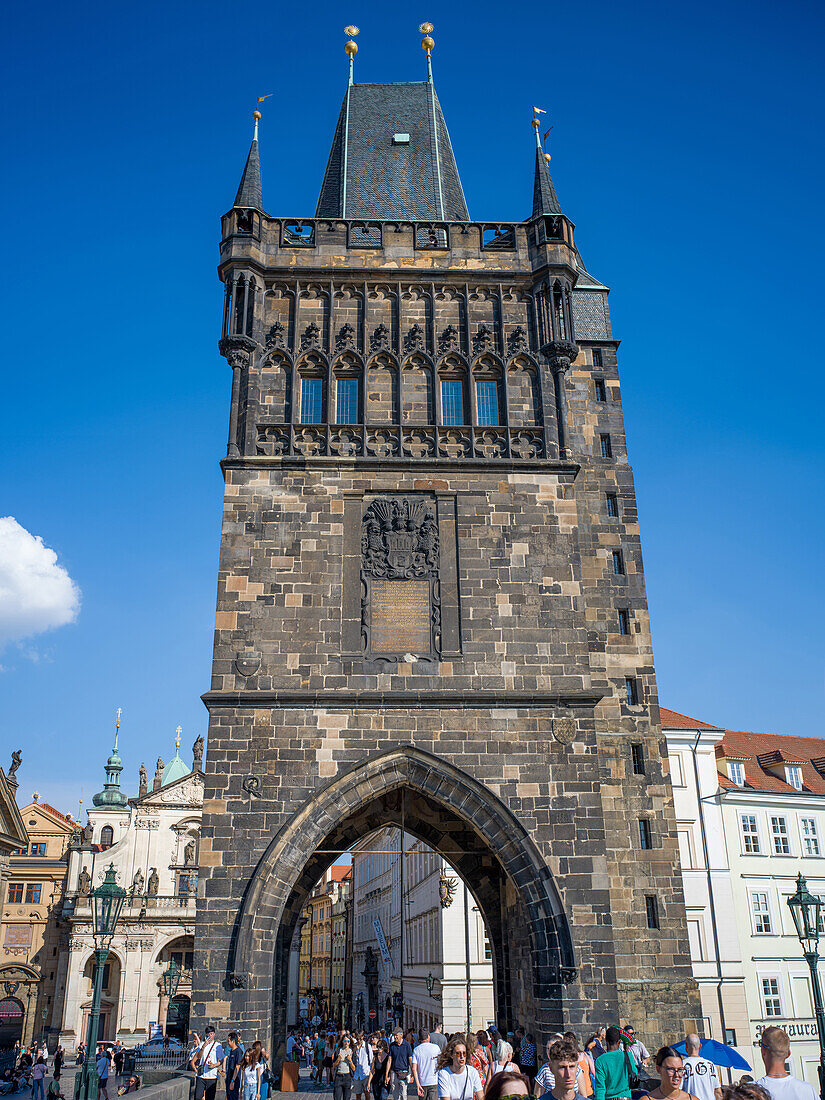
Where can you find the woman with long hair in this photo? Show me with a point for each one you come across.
(456, 1079)
(329, 1054)
(262, 1058)
(671, 1071)
(504, 1085)
(250, 1071)
(378, 1070)
(343, 1069)
(477, 1056)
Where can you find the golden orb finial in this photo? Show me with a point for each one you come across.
(547, 157)
(427, 43)
(351, 48)
(256, 115)
(535, 124)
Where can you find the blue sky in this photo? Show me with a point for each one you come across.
(687, 149)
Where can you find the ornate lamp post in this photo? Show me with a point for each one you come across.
(107, 901)
(806, 909)
(169, 985)
(430, 983)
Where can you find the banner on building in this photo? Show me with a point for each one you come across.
(382, 941)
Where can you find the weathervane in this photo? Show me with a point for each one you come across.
(351, 47)
(256, 114)
(428, 44)
(537, 126)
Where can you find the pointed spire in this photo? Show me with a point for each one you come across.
(249, 196)
(545, 199)
(111, 796)
(428, 44)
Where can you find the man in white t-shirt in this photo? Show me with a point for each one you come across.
(424, 1072)
(775, 1046)
(701, 1077)
(206, 1061)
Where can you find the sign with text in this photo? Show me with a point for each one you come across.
(382, 942)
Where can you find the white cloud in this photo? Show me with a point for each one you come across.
(36, 593)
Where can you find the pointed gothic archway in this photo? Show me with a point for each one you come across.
(456, 816)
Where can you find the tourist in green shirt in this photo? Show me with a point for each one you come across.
(612, 1079)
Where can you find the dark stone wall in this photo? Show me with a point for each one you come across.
(515, 746)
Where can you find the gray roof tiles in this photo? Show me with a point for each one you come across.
(370, 176)
(249, 195)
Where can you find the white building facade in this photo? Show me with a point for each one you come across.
(754, 821)
(444, 958)
(152, 841)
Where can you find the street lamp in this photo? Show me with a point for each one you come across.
(806, 909)
(430, 980)
(107, 901)
(170, 979)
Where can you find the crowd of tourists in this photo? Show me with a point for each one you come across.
(611, 1064)
(30, 1070)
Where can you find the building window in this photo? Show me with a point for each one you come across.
(33, 892)
(487, 402)
(15, 892)
(597, 358)
(645, 836)
(810, 836)
(637, 753)
(612, 505)
(652, 909)
(631, 691)
(107, 836)
(793, 775)
(779, 832)
(606, 446)
(761, 914)
(771, 1001)
(601, 390)
(312, 400)
(624, 620)
(38, 850)
(452, 401)
(750, 833)
(618, 563)
(346, 401)
(736, 772)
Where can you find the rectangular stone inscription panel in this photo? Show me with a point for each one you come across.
(400, 616)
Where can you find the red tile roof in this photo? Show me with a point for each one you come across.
(338, 872)
(760, 752)
(672, 719)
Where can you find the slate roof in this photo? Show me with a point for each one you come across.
(545, 199)
(250, 195)
(415, 181)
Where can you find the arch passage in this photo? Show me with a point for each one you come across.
(454, 815)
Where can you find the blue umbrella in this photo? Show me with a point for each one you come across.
(718, 1053)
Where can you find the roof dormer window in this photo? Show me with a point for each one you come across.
(736, 772)
(793, 775)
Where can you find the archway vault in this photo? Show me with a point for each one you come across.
(451, 812)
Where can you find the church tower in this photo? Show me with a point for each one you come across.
(431, 606)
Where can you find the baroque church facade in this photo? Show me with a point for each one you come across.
(152, 841)
(431, 607)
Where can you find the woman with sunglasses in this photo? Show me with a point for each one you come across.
(456, 1079)
(671, 1072)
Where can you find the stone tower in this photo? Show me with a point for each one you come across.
(431, 607)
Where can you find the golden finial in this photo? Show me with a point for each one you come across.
(178, 731)
(427, 42)
(351, 48)
(256, 114)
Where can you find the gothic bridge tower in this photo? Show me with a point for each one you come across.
(431, 606)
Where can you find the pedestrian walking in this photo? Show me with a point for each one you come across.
(456, 1079)
(206, 1062)
(398, 1068)
(423, 1064)
(250, 1075)
(701, 1077)
(613, 1069)
(671, 1072)
(584, 1082)
(775, 1048)
(262, 1058)
(54, 1091)
(329, 1054)
(437, 1036)
(104, 1067)
(528, 1058)
(362, 1057)
(59, 1059)
(377, 1082)
(343, 1070)
(563, 1063)
(504, 1059)
(39, 1071)
(231, 1066)
(637, 1050)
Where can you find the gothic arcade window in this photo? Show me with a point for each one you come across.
(487, 402)
(107, 836)
(346, 401)
(452, 401)
(558, 312)
(312, 400)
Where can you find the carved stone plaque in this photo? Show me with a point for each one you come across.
(401, 616)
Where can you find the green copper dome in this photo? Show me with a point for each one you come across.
(175, 769)
(111, 795)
